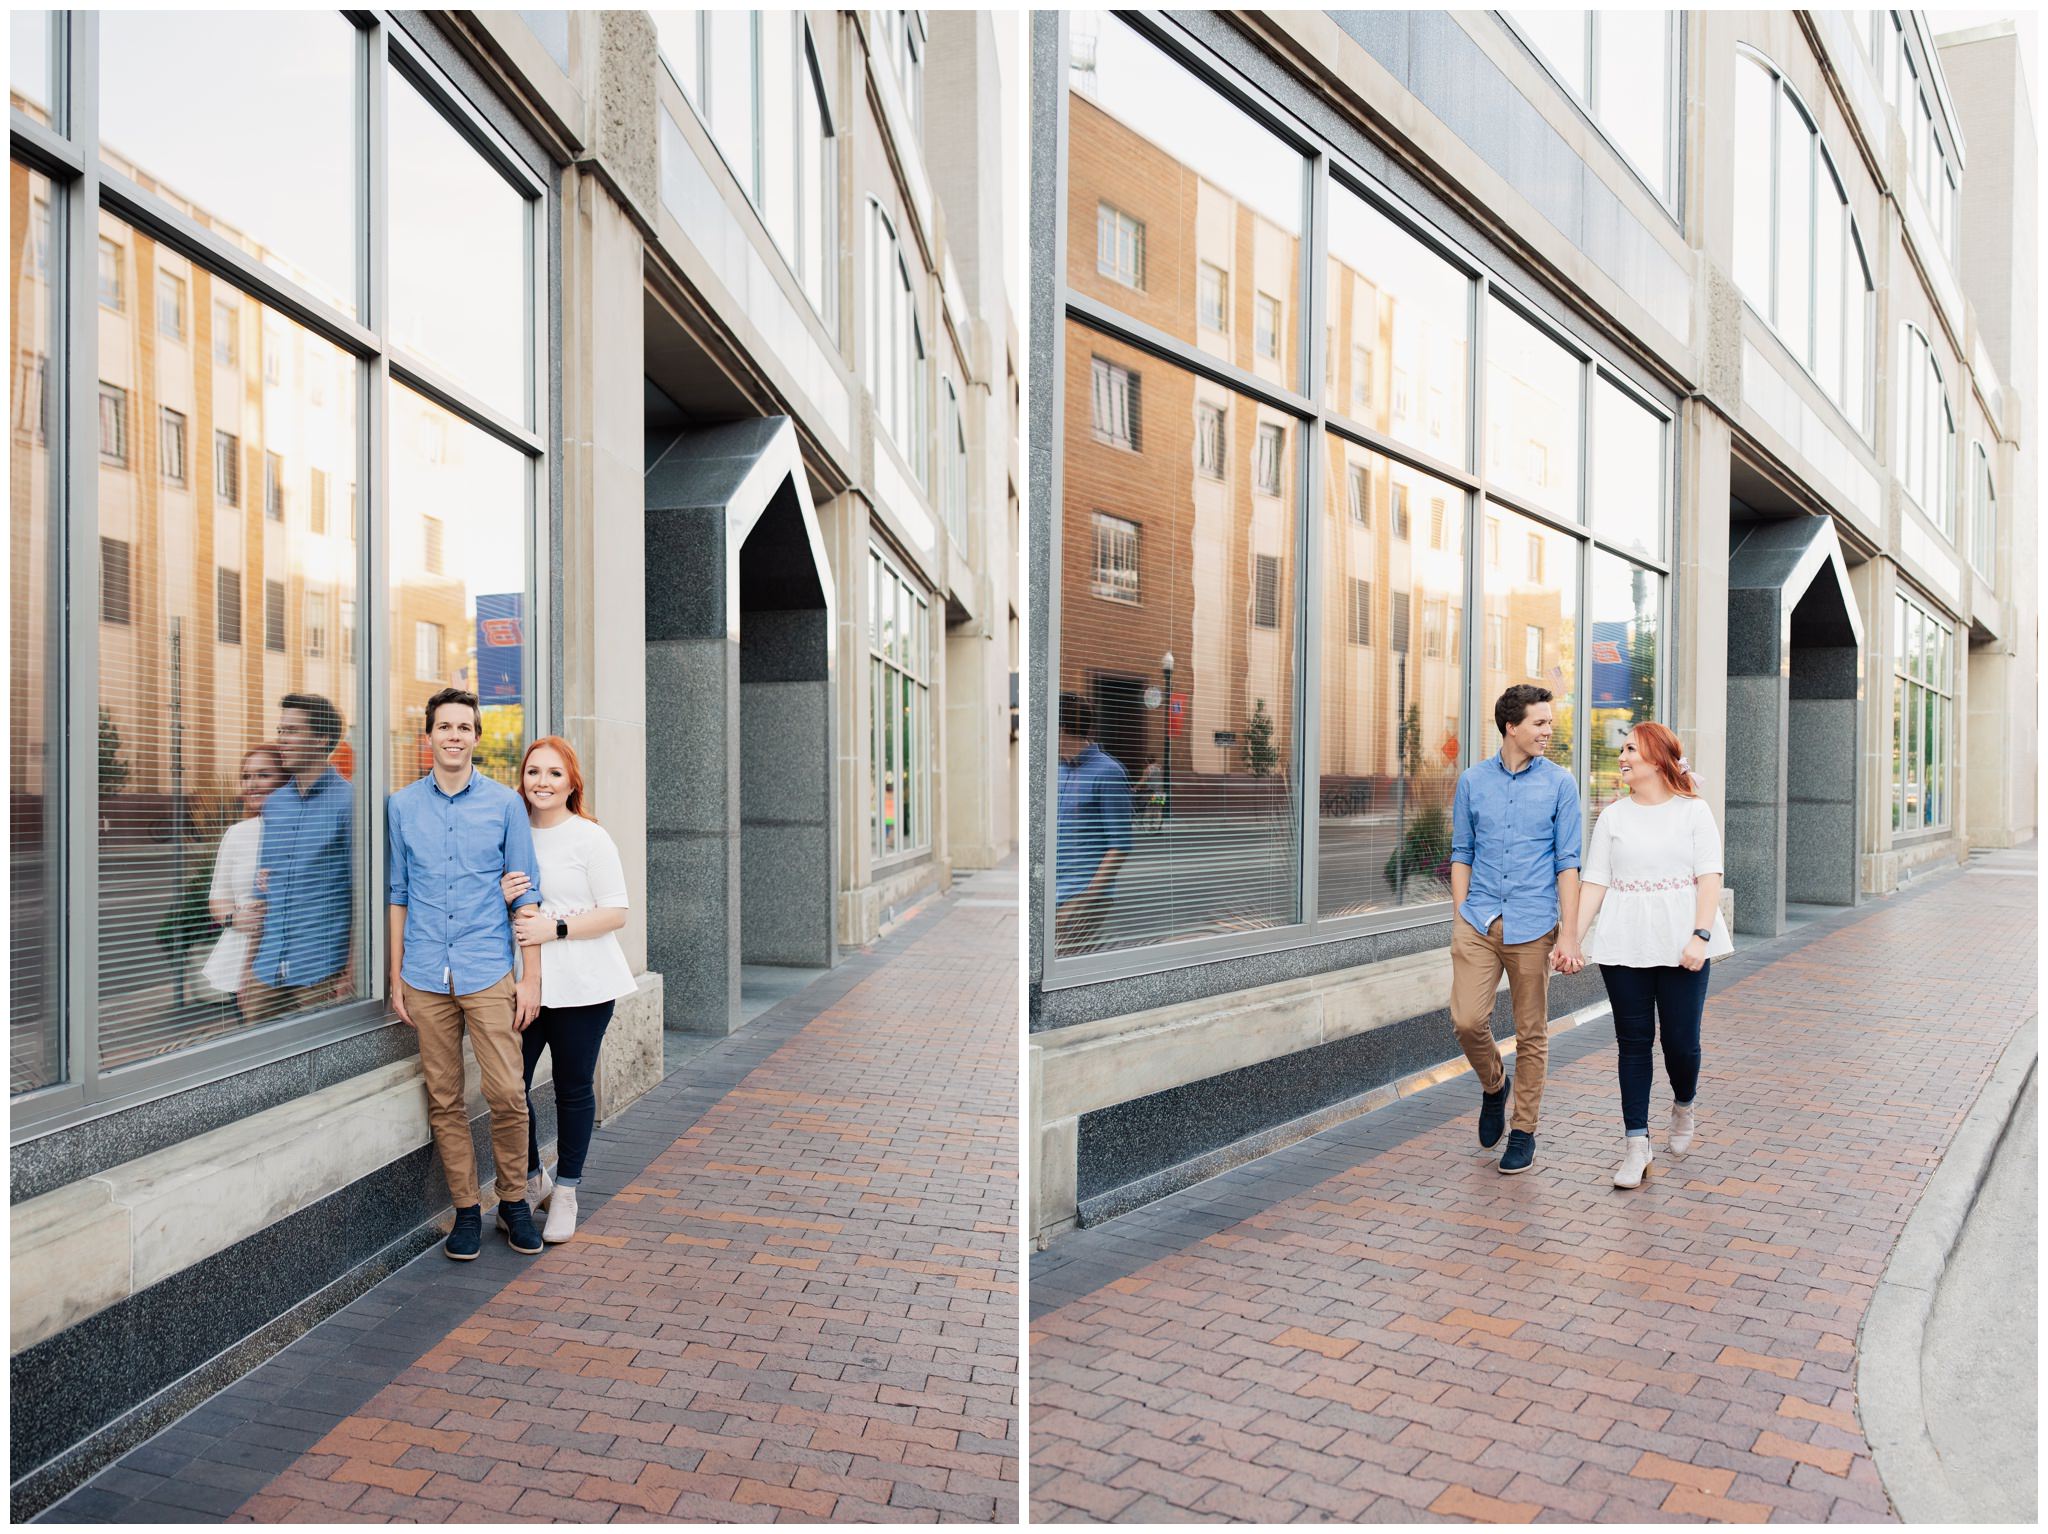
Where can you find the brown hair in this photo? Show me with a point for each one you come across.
(1658, 746)
(567, 752)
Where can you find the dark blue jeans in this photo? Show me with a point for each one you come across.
(1651, 1004)
(573, 1035)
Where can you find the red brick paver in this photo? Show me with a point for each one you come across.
(805, 1309)
(1419, 1337)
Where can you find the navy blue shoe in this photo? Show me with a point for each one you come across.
(467, 1239)
(516, 1221)
(1521, 1152)
(1493, 1112)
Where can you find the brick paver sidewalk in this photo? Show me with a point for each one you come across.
(1407, 1335)
(805, 1307)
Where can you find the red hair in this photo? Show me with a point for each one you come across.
(573, 767)
(1659, 747)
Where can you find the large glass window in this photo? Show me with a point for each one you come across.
(1393, 689)
(239, 748)
(896, 374)
(1623, 610)
(1190, 675)
(1926, 444)
(899, 720)
(1204, 593)
(1799, 255)
(1397, 303)
(1617, 64)
(1983, 517)
(1923, 719)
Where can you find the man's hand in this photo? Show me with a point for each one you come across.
(525, 1002)
(1568, 958)
(398, 1000)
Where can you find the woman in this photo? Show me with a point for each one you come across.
(234, 900)
(583, 971)
(1653, 880)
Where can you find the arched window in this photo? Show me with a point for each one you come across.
(1924, 453)
(1983, 517)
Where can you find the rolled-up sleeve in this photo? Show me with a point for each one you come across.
(519, 856)
(396, 889)
(1462, 830)
(1570, 834)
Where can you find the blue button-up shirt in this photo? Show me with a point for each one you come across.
(445, 854)
(307, 862)
(1095, 819)
(1517, 831)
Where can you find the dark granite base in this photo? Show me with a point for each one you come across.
(1138, 1142)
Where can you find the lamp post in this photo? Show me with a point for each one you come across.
(1166, 736)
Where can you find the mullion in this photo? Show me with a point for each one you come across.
(1114, 323)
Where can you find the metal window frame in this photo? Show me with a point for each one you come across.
(83, 187)
(895, 573)
(1318, 417)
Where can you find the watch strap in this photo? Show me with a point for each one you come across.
(1704, 934)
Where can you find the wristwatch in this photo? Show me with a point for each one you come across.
(562, 927)
(1703, 934)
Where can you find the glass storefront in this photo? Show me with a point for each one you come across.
(267, 623)
(1272, 482)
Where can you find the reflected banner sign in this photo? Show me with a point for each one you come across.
(500, 648)
(1611, 680)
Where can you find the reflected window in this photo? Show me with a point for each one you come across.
(1536, 601)
(113, 286)
(1532, 402)
(1116, 558)
(1622, 608)
(1188, 693)
(468, 616)
(113, 426)
(1272, 445)
(1180, 191)
(1209, 439)
(171, 446)
(117, 582)
(1116, 405)
(170, 306)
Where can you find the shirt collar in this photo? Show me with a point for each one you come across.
(466, 787)
(1500, 760)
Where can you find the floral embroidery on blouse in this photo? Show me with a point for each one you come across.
(1643, 886)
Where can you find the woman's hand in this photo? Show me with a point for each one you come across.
(1695, 954)
(513, 885)
(532, 926)
(248, 919)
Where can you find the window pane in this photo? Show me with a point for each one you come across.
(1632, 94)
(1622, 608)
(1532, 403)
(1560, 36)
(1397, 305)
(1898, 743)
(1197, 181)
(1830, 224)
(1855, 337)
(1193, 773)
(1536, 600)
(729, 82)
(246, 121)
(28, 68)
(458, 257)
(676, 38)
(1389, 763)
(35, 819)
(216, 798)
(778, 128)
(445, 471)
(1754, 93)
(1795, 229)
(1628, 471)
(820, 236)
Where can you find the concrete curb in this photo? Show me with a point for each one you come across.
(1888, 1372)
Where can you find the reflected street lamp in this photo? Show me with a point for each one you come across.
(1166, 737)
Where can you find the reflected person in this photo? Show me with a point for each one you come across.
(306, 955)
(1094, 830)
(233, 899)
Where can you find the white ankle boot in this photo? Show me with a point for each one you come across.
(561, 1216)
(1635, 1164)
(539, 1189)
(1683, 1122)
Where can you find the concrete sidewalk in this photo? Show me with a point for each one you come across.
(1375, 1325)
(793, 1295)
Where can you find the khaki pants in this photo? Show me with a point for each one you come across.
(1476, 963)
(486, 1016)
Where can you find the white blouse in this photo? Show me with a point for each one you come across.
(1650, 857)
(234, 881)
(580, 871)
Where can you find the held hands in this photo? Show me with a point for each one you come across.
(1695, 954)
(1567, 958)
(513, 885)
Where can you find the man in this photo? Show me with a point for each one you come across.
(306, 892)
(450, 837)
(1515, 882)
(1094, 829)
